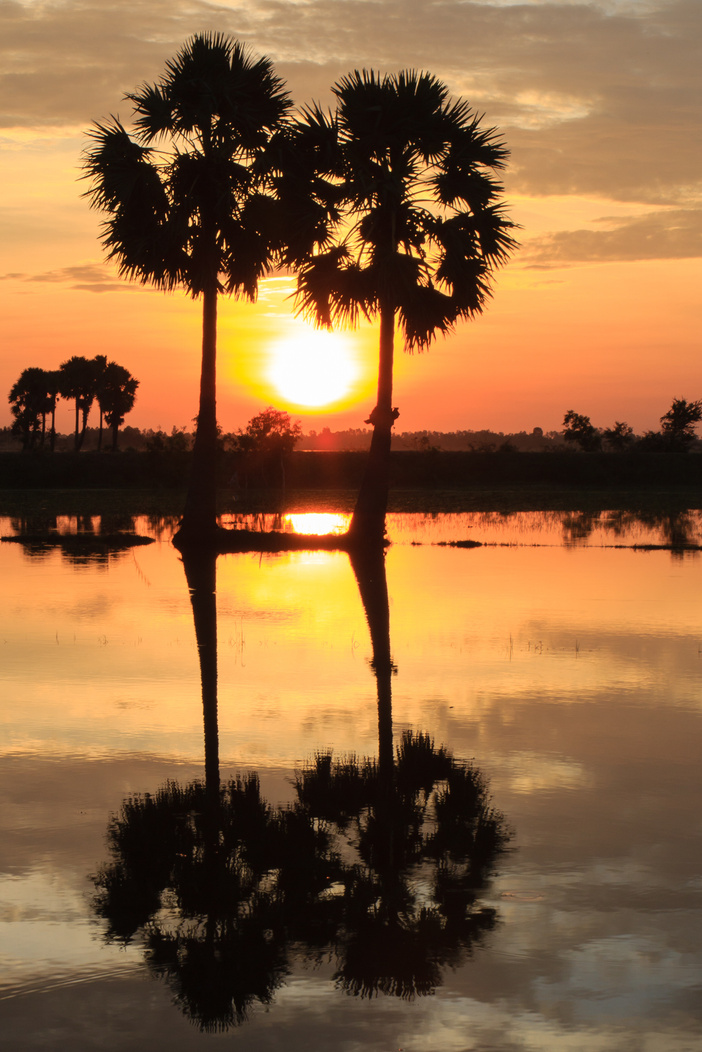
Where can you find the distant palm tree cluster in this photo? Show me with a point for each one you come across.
(34, 395)
(677, 433)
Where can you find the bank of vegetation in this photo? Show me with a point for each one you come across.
(167, 469)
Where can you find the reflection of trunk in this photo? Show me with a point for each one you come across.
(201, 575)
(369, 567)
(368, 520)
(200, 515)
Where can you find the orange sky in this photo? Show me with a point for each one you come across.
(599, 102)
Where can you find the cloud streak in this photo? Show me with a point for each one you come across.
(659, 235)
(86, 278)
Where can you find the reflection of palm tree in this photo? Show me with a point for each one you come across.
(201, 575)
(415, 861)
(423, 830)
(213, 910)
(222, 887)
(210, 875)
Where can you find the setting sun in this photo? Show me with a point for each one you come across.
(314, 368)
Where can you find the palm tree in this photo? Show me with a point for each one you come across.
(404, 224)
(78, 380)
(198, 216)
(116, 394)
(30, 400)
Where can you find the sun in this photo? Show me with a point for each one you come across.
(314, 368)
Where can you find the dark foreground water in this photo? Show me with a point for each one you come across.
(535, 884)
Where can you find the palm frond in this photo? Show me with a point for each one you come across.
(425, 314)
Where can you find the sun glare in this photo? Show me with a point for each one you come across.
(314, 368)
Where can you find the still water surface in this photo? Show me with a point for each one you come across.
(560, 664)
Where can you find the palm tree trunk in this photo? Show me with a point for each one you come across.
(368, 519)
(201, 575)
(199, 522)
(368, 564)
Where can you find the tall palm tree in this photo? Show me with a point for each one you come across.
(407, 228)
(199, 215)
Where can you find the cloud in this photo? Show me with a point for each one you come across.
(602, 99)
(84, 278)
(659, 235)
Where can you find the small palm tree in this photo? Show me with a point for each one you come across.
(399, 219)
(197, 216)
(116, 395)
(32, 397)
(78, 380)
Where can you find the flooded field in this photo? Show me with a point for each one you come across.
(443, 803)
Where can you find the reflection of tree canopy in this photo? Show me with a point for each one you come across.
(419, 842)
(383, 873)
(211, 891)
(81, 539)
(678, 527)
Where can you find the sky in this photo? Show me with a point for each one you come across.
(599, 310)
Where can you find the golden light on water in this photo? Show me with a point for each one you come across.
(318, 522)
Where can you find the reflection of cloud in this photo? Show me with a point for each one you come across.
(539, 773)
(659, 235)
(621, 976)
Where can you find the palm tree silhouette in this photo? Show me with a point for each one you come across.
(78, 380)
(116, 394)
(399, 219)
(198, 216)
(32, 396)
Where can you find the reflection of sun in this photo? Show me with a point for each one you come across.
(318, 522)
(313, 368)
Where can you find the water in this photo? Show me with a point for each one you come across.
(561, 661)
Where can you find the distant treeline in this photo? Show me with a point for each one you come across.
(535, 441)
(133, 438)
(353, 439)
